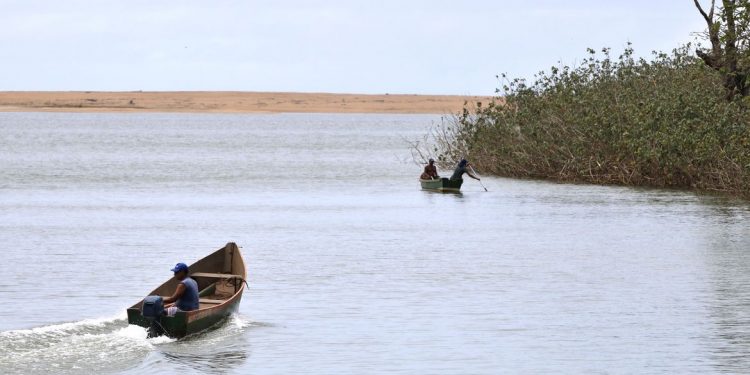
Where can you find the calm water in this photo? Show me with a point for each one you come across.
(352, 268)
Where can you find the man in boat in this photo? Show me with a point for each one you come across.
(185, 298)
(463, 167)
(430, 171)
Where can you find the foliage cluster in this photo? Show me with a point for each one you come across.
(661, 122)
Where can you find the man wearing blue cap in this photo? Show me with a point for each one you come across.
(185, 298)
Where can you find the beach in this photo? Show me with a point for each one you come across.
(229, 102)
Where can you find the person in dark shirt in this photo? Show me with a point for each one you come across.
(463, 167)
(185, 298)
(430, 171)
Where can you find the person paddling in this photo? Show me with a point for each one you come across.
(430, 171)
(463, 167)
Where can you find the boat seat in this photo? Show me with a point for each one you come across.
(207, 291)
(212, 301)
(215, 275)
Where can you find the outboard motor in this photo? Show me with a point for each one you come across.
(153, 310)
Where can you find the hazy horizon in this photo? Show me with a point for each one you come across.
(415, 47)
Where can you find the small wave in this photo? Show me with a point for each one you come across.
(257, 324)
(107, 344)
(66, 328)
(98, 345)
(240, 322)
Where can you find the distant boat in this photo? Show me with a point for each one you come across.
(443, 185)
(221, 281)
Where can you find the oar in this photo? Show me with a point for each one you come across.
(477, 174)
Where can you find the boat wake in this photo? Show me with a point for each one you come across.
(101, 346)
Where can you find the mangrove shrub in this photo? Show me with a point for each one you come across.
(662, 122)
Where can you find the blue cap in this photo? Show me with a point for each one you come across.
(180, 267)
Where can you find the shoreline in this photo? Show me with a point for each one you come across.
(230, 102)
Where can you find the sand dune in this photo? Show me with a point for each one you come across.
(230, 102)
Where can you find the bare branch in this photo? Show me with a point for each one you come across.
(708, 17)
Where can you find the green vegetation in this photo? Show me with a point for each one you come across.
(670, 121)
(679, 120)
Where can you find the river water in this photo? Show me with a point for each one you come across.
(352, 268)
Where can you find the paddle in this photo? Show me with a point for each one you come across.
(476, 174)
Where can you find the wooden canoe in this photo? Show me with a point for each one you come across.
(443, 185)
(221, 281)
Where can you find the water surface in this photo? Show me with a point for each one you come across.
(352, 268)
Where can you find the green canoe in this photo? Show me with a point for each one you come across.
(221, 281)
(442, 185)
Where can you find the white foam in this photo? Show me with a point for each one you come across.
(161, 340)
(239, 322)
(64, 327)
(132, 332)
(140, 334)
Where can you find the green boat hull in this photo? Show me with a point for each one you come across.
(181, 324)
(223, 262)
(443, 185)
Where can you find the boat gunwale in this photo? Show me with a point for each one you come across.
(238, 293)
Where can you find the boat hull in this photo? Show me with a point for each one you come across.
(183, 323)
(227, 260)
(443, 185)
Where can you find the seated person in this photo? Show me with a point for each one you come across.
(430, 171)
(461, 168)
(185, 298)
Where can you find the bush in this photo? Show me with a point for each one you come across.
(663, 123)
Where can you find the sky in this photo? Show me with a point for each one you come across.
(407, 46)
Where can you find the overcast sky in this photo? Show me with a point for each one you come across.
(372, 46)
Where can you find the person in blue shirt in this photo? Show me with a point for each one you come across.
(185, 298)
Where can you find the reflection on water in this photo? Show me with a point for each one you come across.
(212, 362)
(353, 268)
(729, 265)
(217, 350)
